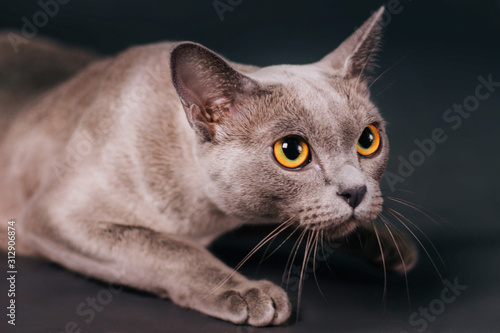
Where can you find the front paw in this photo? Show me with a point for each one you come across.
(256, 303)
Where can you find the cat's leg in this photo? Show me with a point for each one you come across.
(163, 264)
(398, 250)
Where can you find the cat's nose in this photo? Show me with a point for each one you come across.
(354, 196)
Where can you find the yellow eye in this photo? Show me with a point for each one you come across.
(291, 152)
(369, 141)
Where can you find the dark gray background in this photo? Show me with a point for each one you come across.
(433, 53)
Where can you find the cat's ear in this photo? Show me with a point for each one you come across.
(354, 57)
(208, 87)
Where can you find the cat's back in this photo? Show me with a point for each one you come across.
(51, 95)
(49, 92)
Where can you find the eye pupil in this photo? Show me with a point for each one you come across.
(292, 148)
(367, 138)
(369, 141)
(291, 152)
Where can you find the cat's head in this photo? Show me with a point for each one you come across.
(302, 142)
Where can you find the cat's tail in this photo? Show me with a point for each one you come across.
(30, 66)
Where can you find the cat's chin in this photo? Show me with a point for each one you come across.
(335, 229)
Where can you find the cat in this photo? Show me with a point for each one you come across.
(125, 168)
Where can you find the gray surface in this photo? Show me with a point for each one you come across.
(437, 50)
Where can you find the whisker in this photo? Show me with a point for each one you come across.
(385, 88)
(316, 238)
(387, 226)
(270, 236)
(397, 190)
(388, 69)
(366, 62)
(281, 244)
(324, 255)
(420, 230)
(420, 209)
(289, 263)
(263, 257)
(383, 264)
(307, 253)
(419, 242)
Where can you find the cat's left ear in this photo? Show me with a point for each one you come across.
(208, 87)
(354, 57)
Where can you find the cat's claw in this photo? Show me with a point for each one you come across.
(256, 303)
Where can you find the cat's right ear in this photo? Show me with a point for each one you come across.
(208, 87)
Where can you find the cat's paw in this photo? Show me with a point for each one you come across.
(256, 303)
(400, 254)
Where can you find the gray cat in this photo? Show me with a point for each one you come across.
(126, 168)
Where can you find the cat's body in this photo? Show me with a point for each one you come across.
(73, 136)
(109, 174)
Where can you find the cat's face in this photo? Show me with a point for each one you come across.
(300, 142)
(329, 115)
